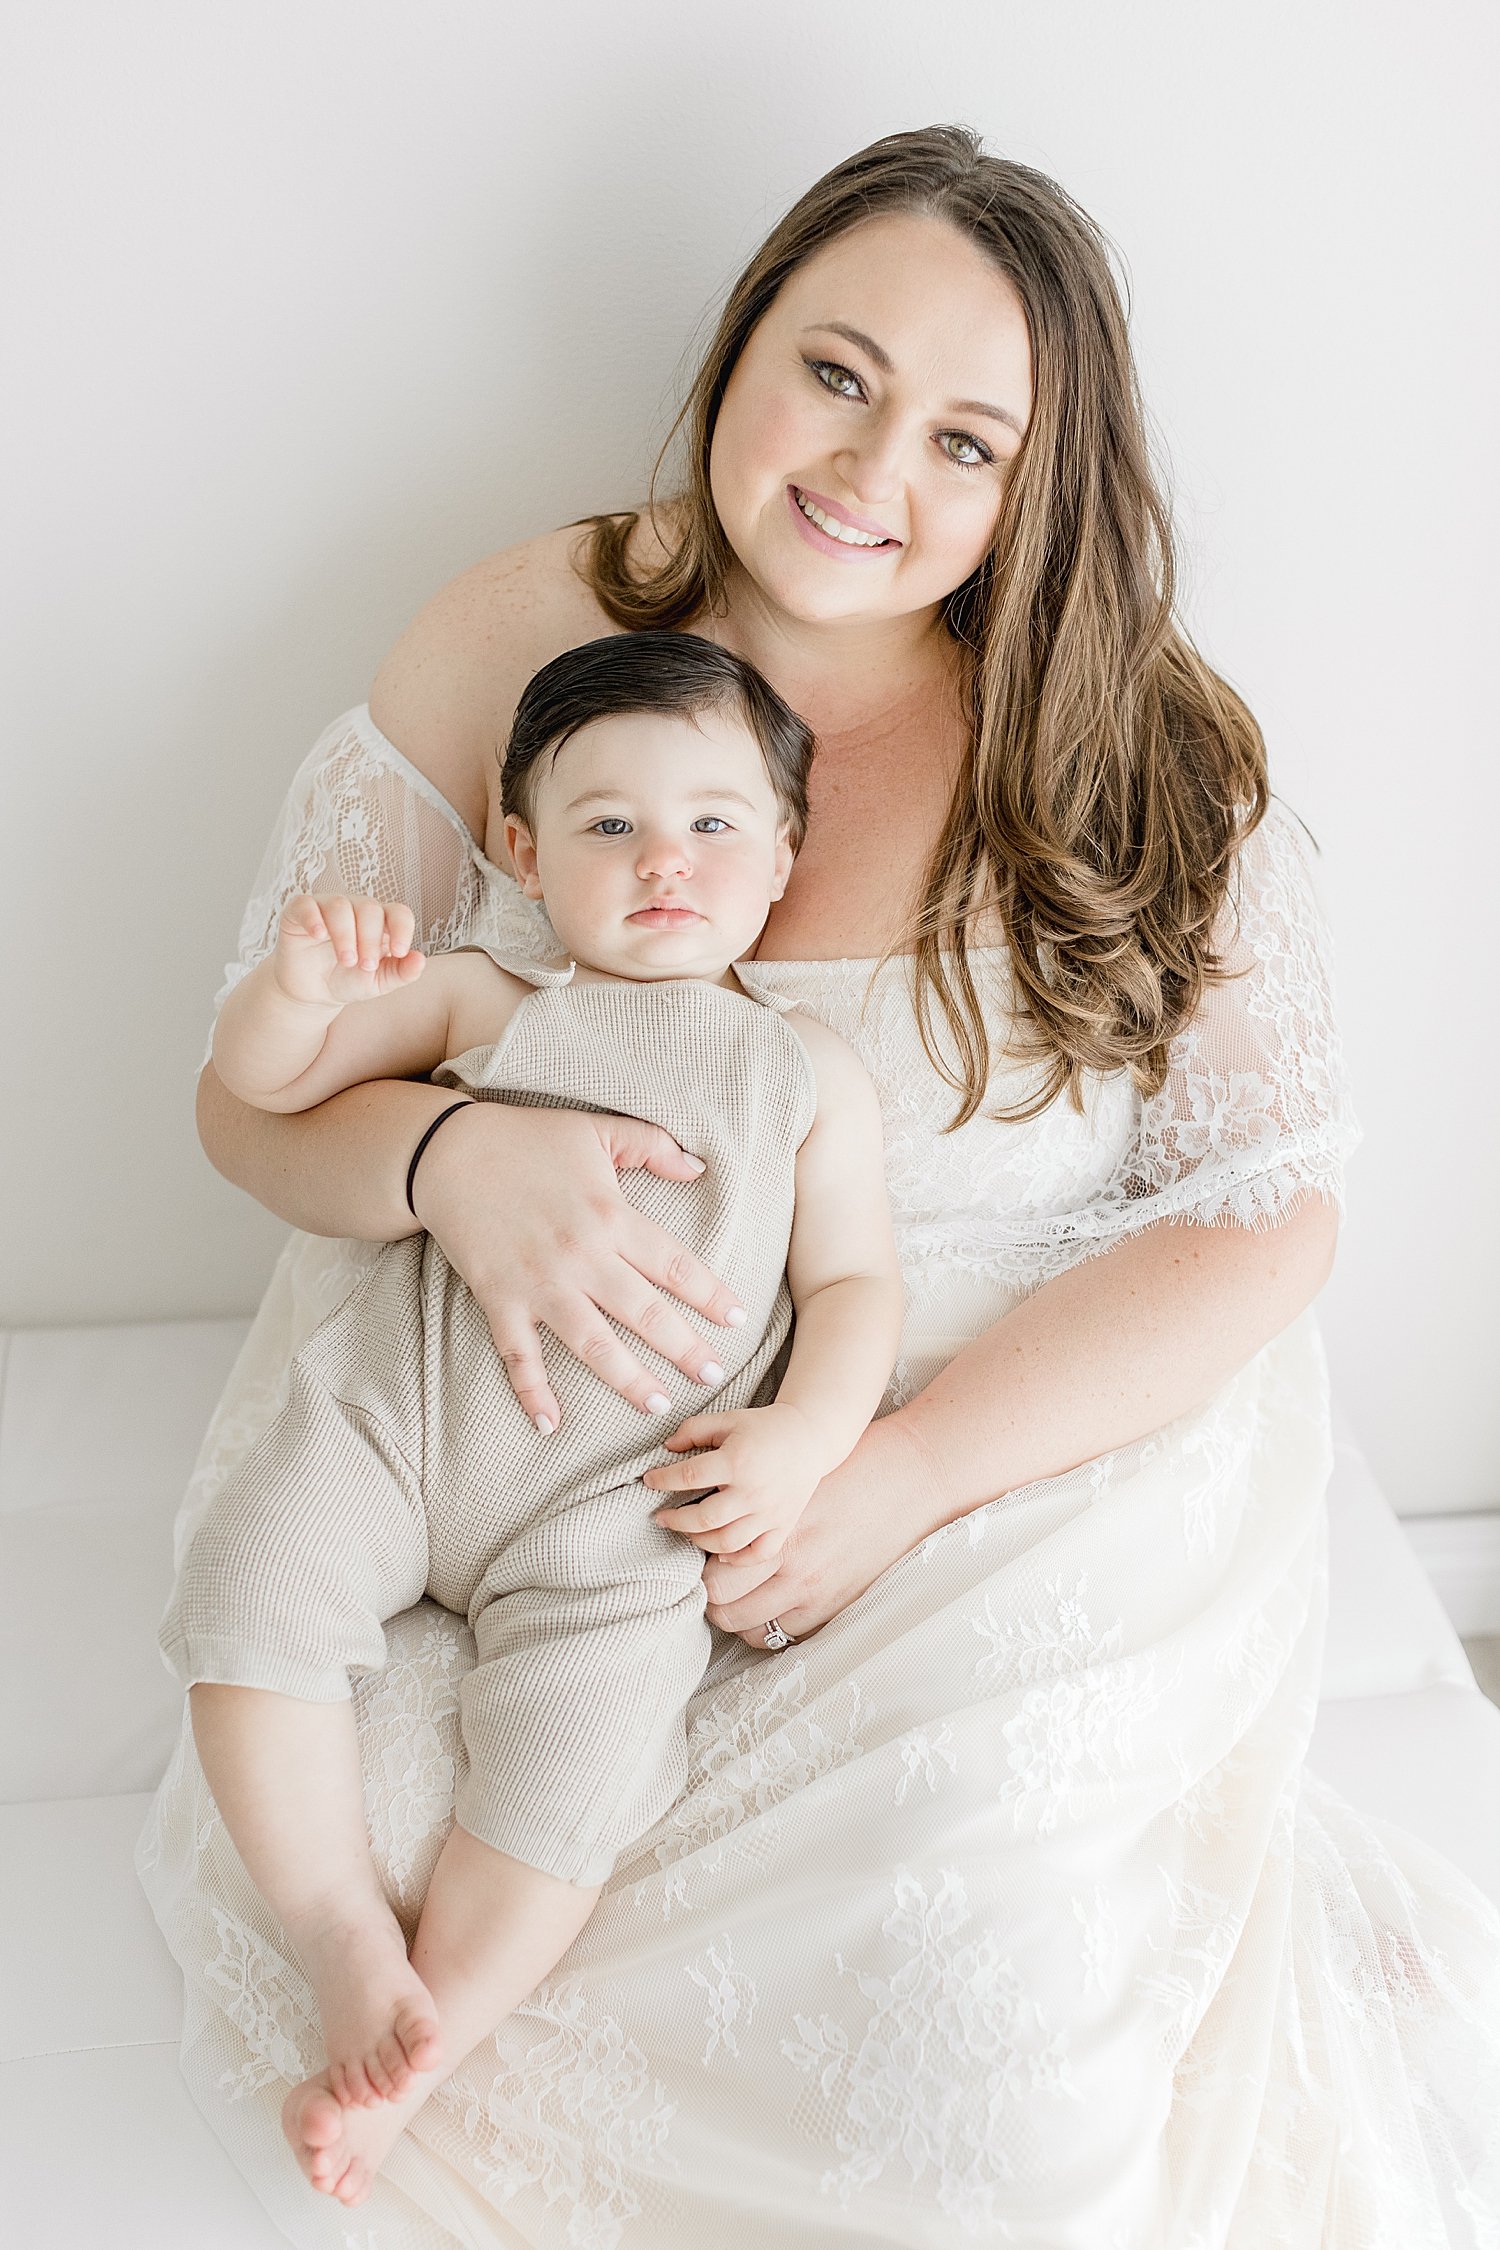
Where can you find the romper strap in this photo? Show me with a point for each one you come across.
(543, 974)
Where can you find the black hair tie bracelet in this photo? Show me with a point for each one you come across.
(420, 1150)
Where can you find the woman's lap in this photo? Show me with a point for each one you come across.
(958, 1890)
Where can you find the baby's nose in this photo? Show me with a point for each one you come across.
(664, 855)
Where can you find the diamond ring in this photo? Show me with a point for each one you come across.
(775, 1637)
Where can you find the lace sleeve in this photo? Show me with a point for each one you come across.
(1255, 1112)
(358, 815)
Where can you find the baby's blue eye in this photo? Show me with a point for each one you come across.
(612, 825)
(710, 824)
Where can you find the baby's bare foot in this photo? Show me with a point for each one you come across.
(380, 2028)
(313, 2120)
(339, 2149)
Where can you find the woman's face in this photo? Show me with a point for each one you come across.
(887, 389)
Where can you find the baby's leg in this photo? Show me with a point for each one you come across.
(491, 1929)
(285, 1775)
(591, 1639)
(317, 1538)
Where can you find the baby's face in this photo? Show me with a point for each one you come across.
(659, 845)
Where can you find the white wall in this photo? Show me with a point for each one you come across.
(317, 300)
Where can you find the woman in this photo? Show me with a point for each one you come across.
(998, 1905)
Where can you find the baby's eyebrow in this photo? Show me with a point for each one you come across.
(614, 797)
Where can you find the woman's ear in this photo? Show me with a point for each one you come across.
(522, 849)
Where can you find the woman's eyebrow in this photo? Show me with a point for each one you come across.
(887, 366)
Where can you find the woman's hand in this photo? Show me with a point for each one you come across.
(526, 1206)
(874, 1508)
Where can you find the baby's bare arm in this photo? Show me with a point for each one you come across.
(287, 1039)
(760, 1465)
(842, 1267)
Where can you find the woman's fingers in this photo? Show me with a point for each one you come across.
(766, 1547)
(576, 1321)
(667, 1263)
(526, 1206)
(632, 1144)
(744, 1593)
(739, 1539)
(622, 1293)
(520, 1351)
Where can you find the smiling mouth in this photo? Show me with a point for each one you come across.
(844, 533)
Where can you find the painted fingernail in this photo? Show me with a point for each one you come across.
(658, 1403)
(545, 1424)
(735, 1317)
(710, 1372)
(697, 1163)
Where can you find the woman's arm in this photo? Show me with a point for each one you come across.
(339, 1169)
(1100, 1356)
(1110, 1351)
(1215, 1232)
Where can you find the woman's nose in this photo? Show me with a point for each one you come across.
(872, 468)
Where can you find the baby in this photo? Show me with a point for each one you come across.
(654, 792)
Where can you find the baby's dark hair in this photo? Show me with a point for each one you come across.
(666, 672)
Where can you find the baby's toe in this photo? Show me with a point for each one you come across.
(319, 2118)
(420, 2041)
(390, 2068)
(313, 2121)
(355, 2184)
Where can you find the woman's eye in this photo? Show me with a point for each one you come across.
(829, 373)
(611, 826)
(710, 824)
(963, 451)
(977, 455)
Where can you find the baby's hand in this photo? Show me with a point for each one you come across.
(765, 1465)
(332, 950)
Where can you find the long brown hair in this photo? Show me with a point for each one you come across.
(1111, 774)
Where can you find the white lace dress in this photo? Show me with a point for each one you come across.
(1002, 1909)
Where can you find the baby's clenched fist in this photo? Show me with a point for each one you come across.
(331, 950)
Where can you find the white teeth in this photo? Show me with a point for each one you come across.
(842, 531)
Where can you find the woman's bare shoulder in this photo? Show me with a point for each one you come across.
(447, 692)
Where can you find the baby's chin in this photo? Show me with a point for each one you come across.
(653, 963)
(663, 972)
(641, 955)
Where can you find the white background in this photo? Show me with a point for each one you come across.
(312, 302)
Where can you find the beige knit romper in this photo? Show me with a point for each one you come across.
(401, 1464)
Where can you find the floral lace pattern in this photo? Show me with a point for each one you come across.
(1002, 1908)
(951, 1996)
